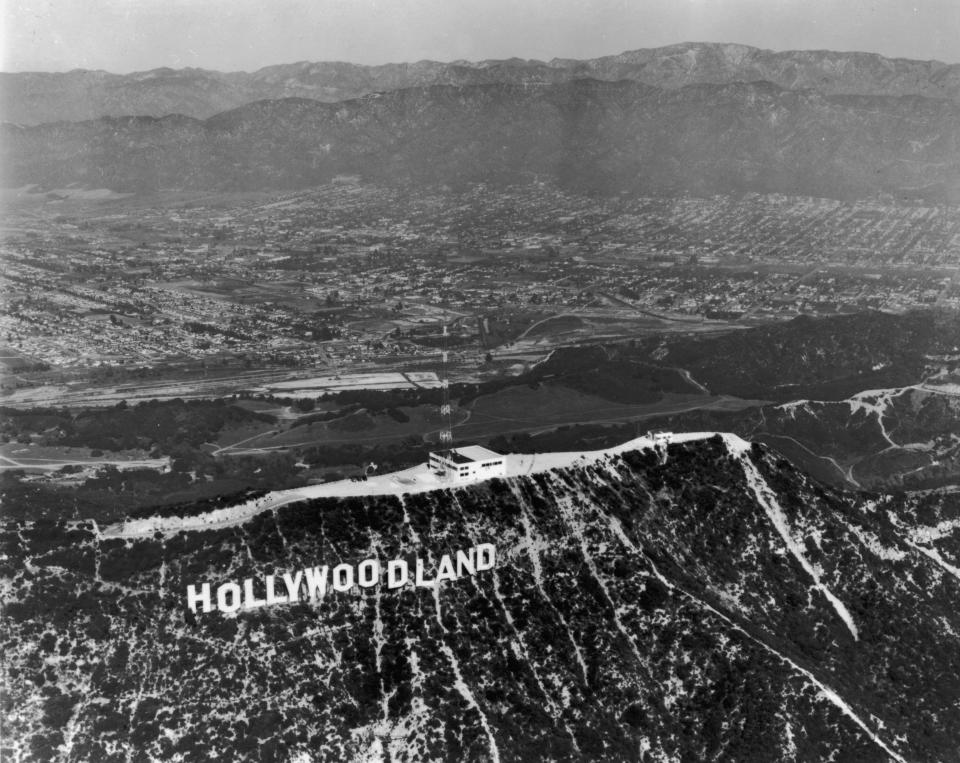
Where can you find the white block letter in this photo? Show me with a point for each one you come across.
(343, 577)
(193, 598)
(486, 556)
(272, 597)
(234, 590)
(316, 581)
(250, 599)
(465, 565)
(445, 571)
(423, 583)
(293, 585)
(397, 573)
(368, 573)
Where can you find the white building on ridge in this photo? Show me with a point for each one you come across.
(468, 463)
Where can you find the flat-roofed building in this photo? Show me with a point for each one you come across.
(468, 463)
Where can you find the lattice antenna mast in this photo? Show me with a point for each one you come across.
(446, 428)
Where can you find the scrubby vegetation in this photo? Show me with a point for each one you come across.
(159, 426)
(816, 358)
(645, 602)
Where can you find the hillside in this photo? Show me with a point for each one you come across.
(821, 390)
(693, 600)
(866, 400)
(901, 438)
(588, 136)
(823, 358)
(34, 97)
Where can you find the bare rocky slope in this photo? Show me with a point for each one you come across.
(35, 97)
(698, 600)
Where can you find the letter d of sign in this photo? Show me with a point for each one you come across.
(486, 556)
(397, 573)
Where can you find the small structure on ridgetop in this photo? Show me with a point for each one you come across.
(468, 463)
(660, 436)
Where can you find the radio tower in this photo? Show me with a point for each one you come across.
(446, 429)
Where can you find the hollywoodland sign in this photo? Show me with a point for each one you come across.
(312, 583)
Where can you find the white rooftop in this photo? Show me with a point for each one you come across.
(477, 453)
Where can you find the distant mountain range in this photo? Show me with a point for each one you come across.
(698, 117)
(586, 135)
(33, 98)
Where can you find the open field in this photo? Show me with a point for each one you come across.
(278, 382)
(521, 409)
(320, 385)
(87, 393)
(281, 382)
(515, 409)
(36, 458)
(356, 427)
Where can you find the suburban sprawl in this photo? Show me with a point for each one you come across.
(352, 274)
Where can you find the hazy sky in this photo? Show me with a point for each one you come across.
(132, 35)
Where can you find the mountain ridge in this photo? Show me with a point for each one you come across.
(37, 97)
(588, 135)
(418, 479)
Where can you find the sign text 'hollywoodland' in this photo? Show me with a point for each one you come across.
(312, 583)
